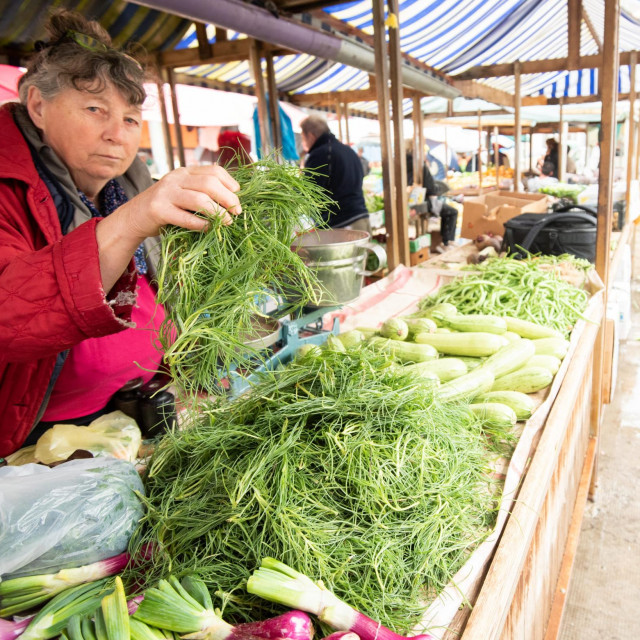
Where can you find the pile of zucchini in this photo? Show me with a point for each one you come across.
(493, 362)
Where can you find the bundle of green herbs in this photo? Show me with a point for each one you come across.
(531, 289)
(340, 465)
(214, 284)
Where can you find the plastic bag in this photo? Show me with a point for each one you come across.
(74, 514)
(114, 434)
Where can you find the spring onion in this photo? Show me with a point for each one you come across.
(54, 616)
(279, 583)
(292, 625)
(214, 283)
(22, 594)
(10, 630)
(115, 612)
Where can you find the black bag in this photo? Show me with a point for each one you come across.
(572, 231)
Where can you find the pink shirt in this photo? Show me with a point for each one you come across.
(97, 367)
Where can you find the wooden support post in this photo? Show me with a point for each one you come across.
(609, 93)
(401, 221)
(417, 150)
(345, 110)
(382, 91)
(176, 118)
(631, 152)
(479, 160)
(530, 149)
(496, 154)
(274, 103)
(562, 145)
(517, 129)
(166, 131)
(204, 48)
(573, 30)
(422, 156)
(255, 63)
(339, 114)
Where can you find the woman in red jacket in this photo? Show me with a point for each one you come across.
(78, 218)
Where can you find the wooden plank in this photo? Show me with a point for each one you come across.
(176, 117)
(479, 156)
(204, 47)
(609, 89)
(607, 360)
(538, 66)
(574, 8)
(592, 31)
(166, 131)
(400, 221)
(521, 578)
(382, 93)
(517, 126)
(418, 150)
(631, 152)
(562, 587)
(562, 145)
(338, 108)
(255, 64)
(472, 89)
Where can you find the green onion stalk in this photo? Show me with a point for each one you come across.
(530, 289)
(214, 284)
(338, 465)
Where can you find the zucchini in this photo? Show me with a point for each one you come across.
(472, 363)
(367, 332)
(334, 344)
(525, 380)
(548, 362)
(495, 414)
(394, 329)
(521, 403)
(405, 351)
(475, 344)
(511, 336)
(444, 368)
(351, 338)
(445, 308)
(439, 330)
(467, 386)
(510, 357)
(419, 371)
(557, 347)
(531, 330)
(419, 325)
(475, 322)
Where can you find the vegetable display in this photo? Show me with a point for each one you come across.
(213, 284)
(528, 289)
(339, 464)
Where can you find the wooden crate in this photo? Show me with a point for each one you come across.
(514, 600)
(419, 256)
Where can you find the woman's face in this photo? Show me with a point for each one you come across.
(96, 135)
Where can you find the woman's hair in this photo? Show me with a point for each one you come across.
(79, 55)
(314, 125)
(552, 144)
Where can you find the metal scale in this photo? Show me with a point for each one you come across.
(283, 343)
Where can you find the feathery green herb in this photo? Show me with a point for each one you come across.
(214, 283)
(339, 465)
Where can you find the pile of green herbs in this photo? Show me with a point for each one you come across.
(214, 284)
(531, 289)
(338, 465)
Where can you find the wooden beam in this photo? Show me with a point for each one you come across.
(441, 115)
(176, 117)
(536, 66)
(401, 221)
(274, 103)
(479, 156)
(609, 88)
(631, 139)
(574, 8)
(563, 134)
(166, 131)
(417, 150)
(471, 89)
(204, 46)
(345, 111)
(221, 34)
(255, 63)
(224, 51)
(517, 125)
(592, 30)
(338, 107)
(328, 98)
(382, 88)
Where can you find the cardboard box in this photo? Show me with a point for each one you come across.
(489, 212)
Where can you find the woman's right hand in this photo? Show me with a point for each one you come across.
(175, 198)
(172, 200)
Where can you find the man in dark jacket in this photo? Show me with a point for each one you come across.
(337, 168)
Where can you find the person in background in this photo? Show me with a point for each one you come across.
(366, 169)
(235, 149)
(437, 207)
(337, 168)
(503, 159)
(548, 164)
(79, 216)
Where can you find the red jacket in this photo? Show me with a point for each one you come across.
(51, 295)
